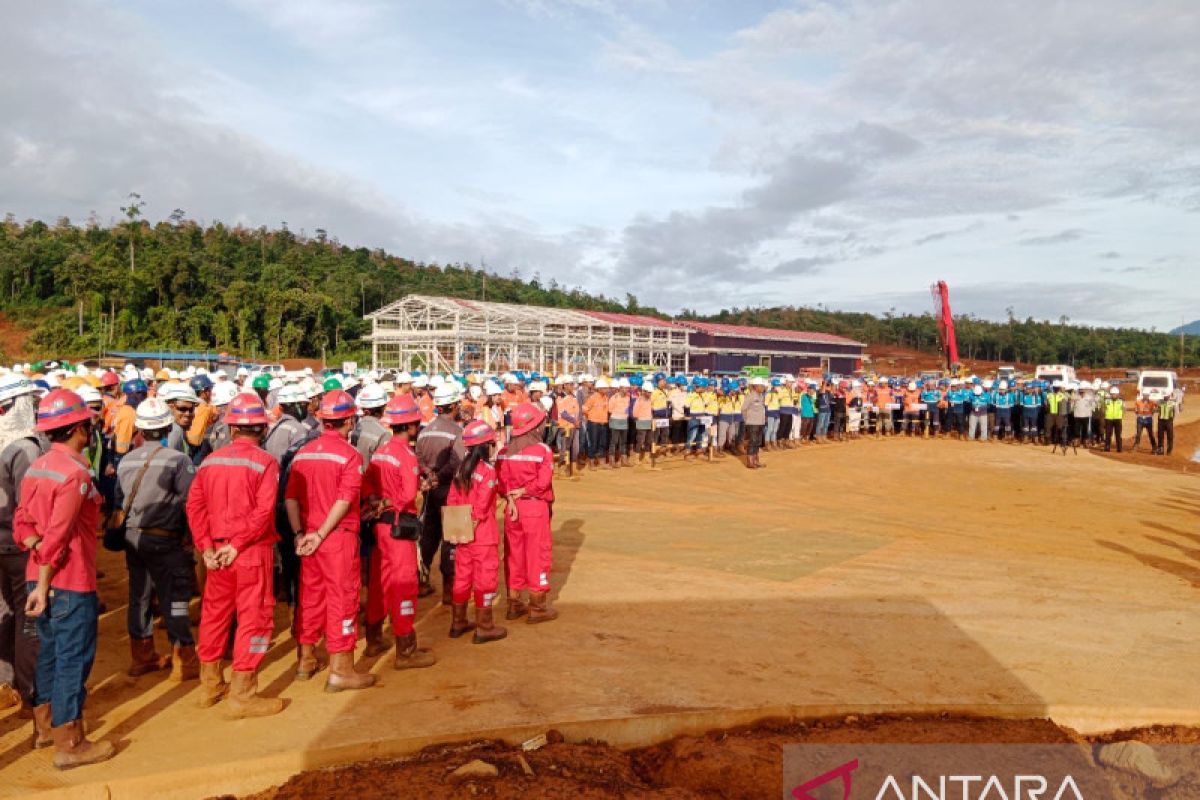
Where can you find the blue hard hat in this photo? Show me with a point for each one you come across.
(135, 386)
(776, 382)
(635, 380)
(201, 383)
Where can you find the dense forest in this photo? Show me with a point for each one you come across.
(265, 293)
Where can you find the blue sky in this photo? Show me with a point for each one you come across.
(698, 154)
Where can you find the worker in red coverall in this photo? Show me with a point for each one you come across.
(323, 496)
(390, 487)
(231, 511)
(56, 522)
(526, 478)
(477, 564)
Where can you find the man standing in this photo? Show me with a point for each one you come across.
(206, 413)
(1166, 424)
(1114, 412)
(56, 523)
(1057, 413)
(231, 510)
(152, 487)
(1145, 410)
(439, 452)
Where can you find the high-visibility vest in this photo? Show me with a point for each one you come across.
(1166, 409)
(1114, 409)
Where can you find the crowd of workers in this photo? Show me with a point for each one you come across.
(303, 489)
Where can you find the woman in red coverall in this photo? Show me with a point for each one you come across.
(477, 565)
(390, 488)
(526, 476)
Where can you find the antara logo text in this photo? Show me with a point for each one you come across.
(948, 787)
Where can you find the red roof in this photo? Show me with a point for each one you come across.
(720, 329)
(614, 318)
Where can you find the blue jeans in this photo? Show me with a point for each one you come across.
(695, 433)
(597, 439)
(822, 424)
(67, 632)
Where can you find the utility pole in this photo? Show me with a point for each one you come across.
(483, 267)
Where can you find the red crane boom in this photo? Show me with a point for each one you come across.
(945, 323)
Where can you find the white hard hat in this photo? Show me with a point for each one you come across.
(420, 382)
(491, 388)
(201, 371)
(349, 382)
(372, 396)
(152, 414)
(15, 386)
(308, 370)
(436, 381)
(475, 391)
(89, 394)
(294, 393)
(173, 390)
(978, 390)
(538, 386)
(987, 383)
(403, 377)
(1114, 390)
(912, 385)
(587, 377)
(223, 393)
(547, 403)
(1104, 385)
(447, 394)
(1003, 385)
(509, 378)
(242, 372)
(1095, 383)
(147, 374)
(622, 383)
(602, 383)
(81, 369)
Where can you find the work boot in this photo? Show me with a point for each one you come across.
(184, 664)
(447, 592)
(212, 684)
(143, 659)
(516, 609)
(458, 622)
(409, 656)
(486, 630)
(72, 748)
(307, 664)
(376, 644)
(343, 676)
(244, 702)
(625, 460)
(749, 462)
(9, 697)
(539, 608)
(43, 727)
(425, 589)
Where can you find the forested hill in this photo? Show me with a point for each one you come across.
(272, 293)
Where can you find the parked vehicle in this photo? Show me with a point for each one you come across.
(1055, 372)
(1158, 384)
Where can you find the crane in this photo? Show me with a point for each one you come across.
(945, 326)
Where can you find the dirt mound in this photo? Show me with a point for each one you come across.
(736, 763)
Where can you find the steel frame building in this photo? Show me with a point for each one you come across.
(443, 334)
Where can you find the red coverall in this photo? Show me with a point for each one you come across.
(527, 557)
(324, 471)
(394, 475)
(232, 501)
(59, 503)
(477, 565)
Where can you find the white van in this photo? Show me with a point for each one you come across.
(1055, 372)
(1158, 384)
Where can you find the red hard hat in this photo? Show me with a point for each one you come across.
(337, 404)
(246, 409)
(526, 417)
(478, 432)
(401, 410)
(61, 408)
(109, 379)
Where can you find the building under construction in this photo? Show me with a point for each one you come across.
(443, 334)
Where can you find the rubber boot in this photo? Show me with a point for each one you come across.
(516, 608)
(376, 644)
(343, 676)
(307, 664)
(72, 748)
(409, 656)
(458, 621)
(539, 608)
(243, 701)
(212, 684)
(43, 727)
(184, 664)
(447, 592)
(425, 589)
(143, 659)
(486, 630)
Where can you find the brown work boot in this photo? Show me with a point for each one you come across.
(343, 676)
(447, 591)
(458, 621)
(516, 608)
(143, 659)
(9, 697)
(376, 644)
(307, 664)
(43, 727)
(184, 664)
(539, 608)
(409, 656)
(424, 589)
(212, 684)
(72, 749)
(243, 700)
(486, 630)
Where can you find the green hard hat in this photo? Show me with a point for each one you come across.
(261, 382)
(331, 384)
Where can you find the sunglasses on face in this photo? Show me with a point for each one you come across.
(186, 409)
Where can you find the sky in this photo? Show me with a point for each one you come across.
(1039, 156)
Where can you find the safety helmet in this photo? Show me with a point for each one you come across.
(447, 394)
(337, 404)
(1114, 391)
(89, 394)
(109, 379)
(14, 386)
(602, 383)
(1105, 385)
(349, 382)
(201, 383)
(647, 386)
(587, 377)
(988, 383)
(526, 417)
(60, 409)
(538, 386)
(223, 393)
(152, 414)
(261, 383)
(372, 396)
(635, 380)
(978, 390)
(401, 410)
(478, 432)
(491, 388)
(291, 394)
(436, 381)
(174, 391)
(912, 385)
(403, 377)
(420, 381)
(134, 386)
(246, 409)
(331, 385)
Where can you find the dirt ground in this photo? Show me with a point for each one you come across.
(736, 764)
